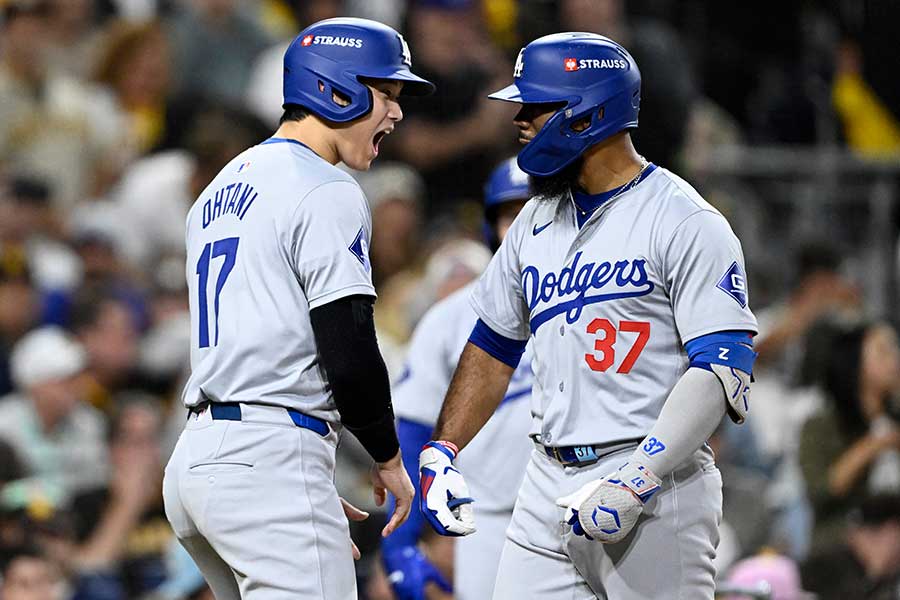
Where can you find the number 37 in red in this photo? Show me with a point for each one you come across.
(604, 354)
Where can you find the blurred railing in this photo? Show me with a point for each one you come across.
(778, 197)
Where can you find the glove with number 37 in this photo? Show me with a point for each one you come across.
(443, 495)
(605, 510)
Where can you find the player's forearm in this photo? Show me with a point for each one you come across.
(478, 386)
(348, 351)
(691, 414)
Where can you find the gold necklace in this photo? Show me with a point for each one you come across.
(624, 188)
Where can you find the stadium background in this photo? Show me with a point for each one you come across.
(115, 113)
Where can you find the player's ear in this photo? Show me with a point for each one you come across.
(337, 96)
(340, 99)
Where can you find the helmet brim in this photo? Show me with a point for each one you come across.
(413, 85)
(525, 94)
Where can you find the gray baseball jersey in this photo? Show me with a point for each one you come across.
(276, 234)
(494, 461)
(609, 306)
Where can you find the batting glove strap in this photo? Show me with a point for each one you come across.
(448, 448)
(444, 497)
(637, 478)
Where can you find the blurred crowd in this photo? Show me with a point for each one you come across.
(115, 114)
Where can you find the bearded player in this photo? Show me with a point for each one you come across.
(631, 289)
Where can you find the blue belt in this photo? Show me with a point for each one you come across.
(570, 456)
(231, 411)
(573, 455)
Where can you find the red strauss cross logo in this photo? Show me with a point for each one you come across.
(571, 64)
(307, 40)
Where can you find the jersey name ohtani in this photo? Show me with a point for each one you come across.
(629, 277)
(229, 200)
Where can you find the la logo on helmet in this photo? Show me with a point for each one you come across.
(520, 64)
(307, 40)
(407, 55)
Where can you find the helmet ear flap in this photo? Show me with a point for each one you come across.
(586, 122)
(337, 96)
(341, 103)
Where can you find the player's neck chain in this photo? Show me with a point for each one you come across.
(644, 164)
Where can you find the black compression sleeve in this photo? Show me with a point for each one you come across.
(348, 350)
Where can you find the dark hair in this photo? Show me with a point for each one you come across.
(293, 112)
(842, 377)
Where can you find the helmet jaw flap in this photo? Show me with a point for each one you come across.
(560, 142)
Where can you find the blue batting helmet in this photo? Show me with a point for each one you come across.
(507, 183)
(331, 56)
(592, 77)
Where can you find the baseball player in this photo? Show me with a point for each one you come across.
(631, 289)
(283, 348)
(494, 476)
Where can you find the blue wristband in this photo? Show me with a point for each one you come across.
(728, 348)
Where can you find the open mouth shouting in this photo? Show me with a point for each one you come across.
(378, 137)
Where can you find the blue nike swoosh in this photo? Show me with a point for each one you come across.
(537, 229)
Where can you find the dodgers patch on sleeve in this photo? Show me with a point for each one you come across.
(360, 249)
(734, 283)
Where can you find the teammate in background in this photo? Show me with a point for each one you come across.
(632, 290)
(497, 457)
(283, 348)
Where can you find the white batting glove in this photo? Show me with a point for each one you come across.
(443, 494)
(605, 510)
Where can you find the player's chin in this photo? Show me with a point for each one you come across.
(361, 161)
